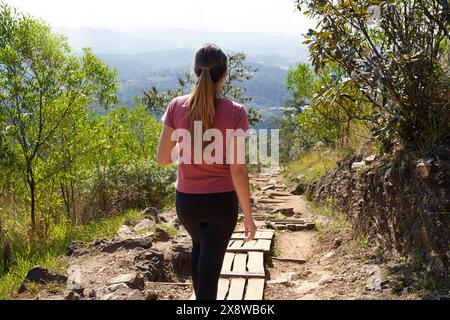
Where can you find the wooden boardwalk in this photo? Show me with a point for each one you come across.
(243, 274)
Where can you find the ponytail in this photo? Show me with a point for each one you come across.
(202, 101)
(210, 66)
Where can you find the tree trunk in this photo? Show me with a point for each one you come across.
(32, 185)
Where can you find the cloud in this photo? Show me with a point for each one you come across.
(214, 15)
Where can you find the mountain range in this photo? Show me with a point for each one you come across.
(145, 59)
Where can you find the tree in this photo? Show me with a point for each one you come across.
(44, 87)
(394, 52)
(238, 72)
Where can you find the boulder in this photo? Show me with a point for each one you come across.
(357, 165)
(373, 281)
(123, 233)
(180, 255)
(41, 276)
(132, 280)
(74, 277)
(151, 264)
(144, 225)
(72, 295)
(370, 159)
(288, 212)
(161, 235)
(152, 214)
(299, 189)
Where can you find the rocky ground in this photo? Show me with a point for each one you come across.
(142, 261)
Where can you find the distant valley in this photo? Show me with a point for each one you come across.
(146, 59)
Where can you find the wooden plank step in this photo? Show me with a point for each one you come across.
(244, 274)
(269, 201)
(240, 263)
(259, 235)
(255, 289)
(234, 244)
(263, 244)
(295, 260)
(236, 291)
(288, 220)
(255, 263)
(227, 261)
(222, 290)
(279, 194)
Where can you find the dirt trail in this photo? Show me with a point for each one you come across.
(334, 268)
(142, 262)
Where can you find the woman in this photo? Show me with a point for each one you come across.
(207, 194)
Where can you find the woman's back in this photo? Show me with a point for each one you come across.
(207, 178)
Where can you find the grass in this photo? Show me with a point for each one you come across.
(312, 165)
(51, 254)
(338, 222)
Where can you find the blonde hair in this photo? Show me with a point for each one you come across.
(210, 65)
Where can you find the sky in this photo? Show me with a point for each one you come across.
(156, 15)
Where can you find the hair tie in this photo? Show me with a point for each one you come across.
(205, 68)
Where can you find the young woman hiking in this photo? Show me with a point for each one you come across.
(208, 192)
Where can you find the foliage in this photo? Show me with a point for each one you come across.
(44, 89)
(395, 54)
(238, 73)
(60, 159)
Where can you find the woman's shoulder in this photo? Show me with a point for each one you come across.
(233, 104)
(180, 100)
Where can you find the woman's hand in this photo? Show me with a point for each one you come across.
(250, 229)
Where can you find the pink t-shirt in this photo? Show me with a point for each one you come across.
(206, 178)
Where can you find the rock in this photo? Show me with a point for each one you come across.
(423, 168)
(123, 233)
(92, 293)
(373, 281)
(290, 276)
(299, 189)
(41, 276)
(100, 241)
(152, 214)
(115, 296)
(180, 255)
(72, 295)
(73, 247)
(151, 264)
(144, 225)
(268, 187)
(151, 295)
(135, 295)
(161, 235)
(288, 212)
(74, 277)
(132, 280)
(357, 165)
(127, 244)
(325, 279)
(122, 287)
(370, 159)
(337, 243)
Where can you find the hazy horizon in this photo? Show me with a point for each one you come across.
(264, 16)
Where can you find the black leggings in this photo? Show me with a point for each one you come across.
(210, 220)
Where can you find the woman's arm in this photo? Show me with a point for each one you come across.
(165, 146)
(239, 174)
